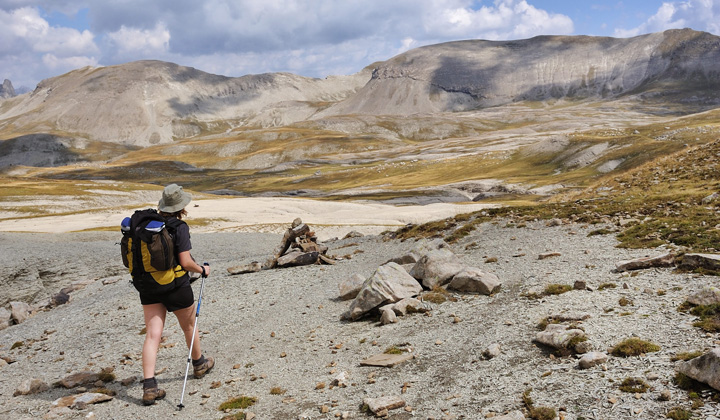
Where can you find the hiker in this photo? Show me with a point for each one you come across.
(177, 298)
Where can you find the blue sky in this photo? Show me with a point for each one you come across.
(315, 38)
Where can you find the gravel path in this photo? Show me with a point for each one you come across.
(281, 329)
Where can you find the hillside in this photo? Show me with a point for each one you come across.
(469, 120)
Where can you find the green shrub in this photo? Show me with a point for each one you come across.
(679, 413)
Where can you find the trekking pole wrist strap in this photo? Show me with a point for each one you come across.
(203, 271)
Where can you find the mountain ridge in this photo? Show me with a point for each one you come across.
(151, 102)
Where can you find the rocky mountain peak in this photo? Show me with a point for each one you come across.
(7, 90)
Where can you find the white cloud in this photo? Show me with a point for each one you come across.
(702, 15)
(140, 43)
(505, 19)
(67, 63)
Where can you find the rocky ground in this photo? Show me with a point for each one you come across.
(277, 334)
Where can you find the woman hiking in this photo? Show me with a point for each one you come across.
(176, 296)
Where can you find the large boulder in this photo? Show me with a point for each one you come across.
(474, 280)
(420, 249)
(709, 295)
(390, 283)
(350, 287)
(705, 368)
(437, 267)
(706, 261)
(665, 260)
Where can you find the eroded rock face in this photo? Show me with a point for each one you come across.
(705, 368)
(389, 284)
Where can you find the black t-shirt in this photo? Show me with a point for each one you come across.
(182, 238)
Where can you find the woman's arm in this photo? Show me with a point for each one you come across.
(187, 263)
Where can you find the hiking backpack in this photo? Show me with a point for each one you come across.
(148, 249)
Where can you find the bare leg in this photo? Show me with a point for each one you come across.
(186, 318)
(154, 324)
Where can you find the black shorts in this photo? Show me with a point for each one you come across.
(179, 298)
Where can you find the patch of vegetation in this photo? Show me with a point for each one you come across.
(709, 317)
(394, 350)
(679, 413)
(607, 286)
(634, 347)
(277, 390)
(634, 386)
(17, 344)
(491, 260)
(557, 289)
(106, 376)
(236, 403)
(537, 413)
(437, 295)
(625, 301)
(685, 356)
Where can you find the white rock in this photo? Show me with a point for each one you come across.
(705, 368)
(389, 284)
(474, 280)
(350, 287)
(436, 268)
(591, 359)
(709, 295)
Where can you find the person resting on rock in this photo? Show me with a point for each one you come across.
(176, 296)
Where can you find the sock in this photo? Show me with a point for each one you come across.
(149, 383)
(199, 361)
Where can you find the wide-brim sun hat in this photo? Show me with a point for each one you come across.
(173, 199)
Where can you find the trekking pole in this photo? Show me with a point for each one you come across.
(192, 340)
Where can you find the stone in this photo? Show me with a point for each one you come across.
(81, 401)
(350, 287)
(420, 249)
(387, 403)
(707, 261)
(709, 295)
(5, 318)
(705, 368)
(513, 415)
(297, 258)
(492, 351)
(129, 381)
(558, 336)
(81, 378)
(353, 234)
(665, 395)
(569, 316)
(253, 267)
(591, 359)
(580, 285)
(474, 280)
(387, 315)
(59, 298)
(554, 222)
(31, 386)
(389, 284)
(665, 260)
(436, 268)
(386, 360)
(546, 255)
(111, 280)
(404, 306)
(20, 311)
(341, 380)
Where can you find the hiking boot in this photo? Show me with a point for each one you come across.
(200, 370)
(152, 394)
